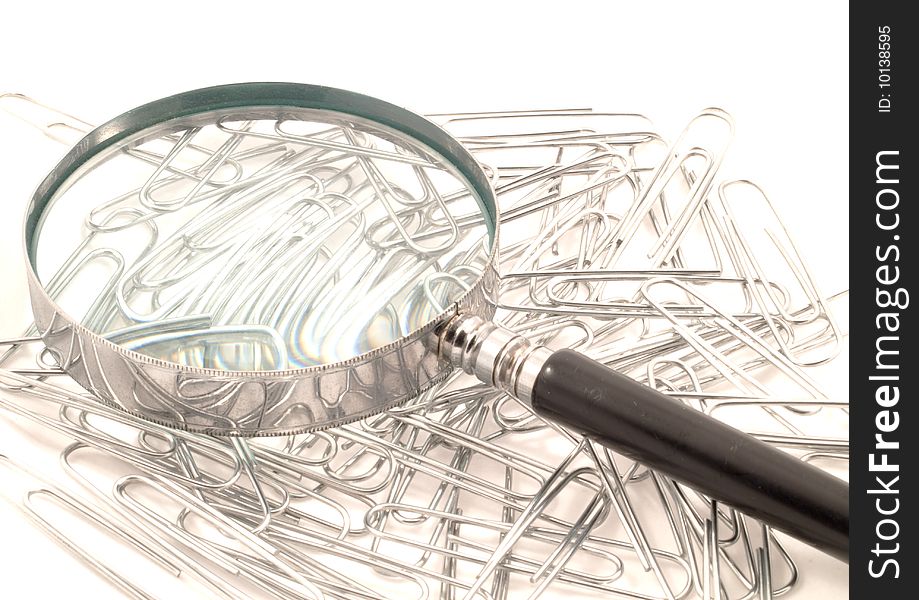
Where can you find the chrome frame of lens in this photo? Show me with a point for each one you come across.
(256, 403)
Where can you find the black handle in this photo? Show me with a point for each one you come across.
(714, 458)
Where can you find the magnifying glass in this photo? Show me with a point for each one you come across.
(272, 258)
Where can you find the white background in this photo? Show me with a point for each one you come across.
(780, 69)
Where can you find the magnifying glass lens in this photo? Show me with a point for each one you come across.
(262, 239)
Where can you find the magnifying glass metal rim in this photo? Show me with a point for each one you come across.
(311, 397)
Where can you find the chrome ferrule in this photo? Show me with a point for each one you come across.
(494, 354)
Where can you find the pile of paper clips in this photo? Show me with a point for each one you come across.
(643, 257)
